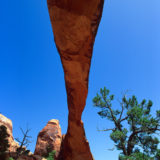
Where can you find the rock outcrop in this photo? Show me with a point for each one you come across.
(49, 139)
(8, 124)
(75, 24)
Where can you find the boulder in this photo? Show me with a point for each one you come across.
(8, 124)
(75, 24)
(49, 139)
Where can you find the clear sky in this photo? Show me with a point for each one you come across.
(32, 90)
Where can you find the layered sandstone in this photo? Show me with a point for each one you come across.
(8, 124)
(49, 139)
(75, 24)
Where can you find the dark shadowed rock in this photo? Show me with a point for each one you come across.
(75, 24)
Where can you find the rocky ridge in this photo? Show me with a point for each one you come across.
(49, 139)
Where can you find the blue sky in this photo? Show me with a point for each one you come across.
(32, 90)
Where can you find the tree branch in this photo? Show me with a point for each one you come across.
(124, 119)
(121, 111)
(112, 129)
(113, 117)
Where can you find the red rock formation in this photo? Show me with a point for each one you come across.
(75, 24)
(49, 139)
(8, 124)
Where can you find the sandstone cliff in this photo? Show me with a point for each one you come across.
(49, 139)
(8, 124)
(75, 24)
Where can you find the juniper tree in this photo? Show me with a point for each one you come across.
(134, 128)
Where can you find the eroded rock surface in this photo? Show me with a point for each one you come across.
(75, 24)
(8, 124)
(49, 139)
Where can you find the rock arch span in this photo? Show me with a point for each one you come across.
(75, 24)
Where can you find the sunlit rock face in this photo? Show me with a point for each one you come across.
(49, 139)
(75, 24)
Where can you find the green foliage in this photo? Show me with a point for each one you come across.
(4, 145)
(134, 127)
(10, 158)
(136, 156)
(158, 155)
(51, 155)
